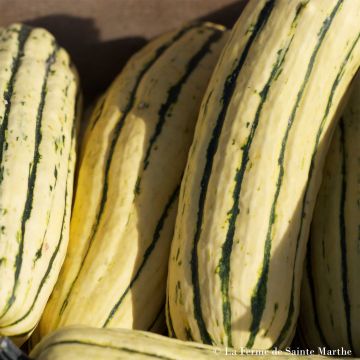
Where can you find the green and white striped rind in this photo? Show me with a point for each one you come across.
(83, 343)
(126, 200)
(38, 88)
(330, 297)
(254, 170)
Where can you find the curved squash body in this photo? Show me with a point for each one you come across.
(330, 297)
(126, 200)
(79, 343)
(254, 170)
(38, 90)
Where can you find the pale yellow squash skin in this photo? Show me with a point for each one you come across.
(113, 276)
(258, 305)
(37, 122)
(331, 281)
(83, 343)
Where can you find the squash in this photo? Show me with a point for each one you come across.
(126, 199)
(39, 88)
(330, 298)
(84, 343)
(254, 170)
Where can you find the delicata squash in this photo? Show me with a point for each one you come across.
(330, 299)
(38, 107)
(84, 343)
(135, 152)
(254, 170)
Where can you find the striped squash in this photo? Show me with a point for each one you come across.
(126, 199)
(254, 170)
(330, 297)
(38, 88)
(83, 343)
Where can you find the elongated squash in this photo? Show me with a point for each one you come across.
(126, 200)
(38, 87)
(84, 343)
(330, 295)
(254, 170)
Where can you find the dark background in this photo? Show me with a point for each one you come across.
(100, 35)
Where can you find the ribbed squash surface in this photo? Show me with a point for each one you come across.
(83, 343)
(38, 91)
(126, 199)
(254, 170)
(330, 298)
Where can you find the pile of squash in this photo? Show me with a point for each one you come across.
(213, 197)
